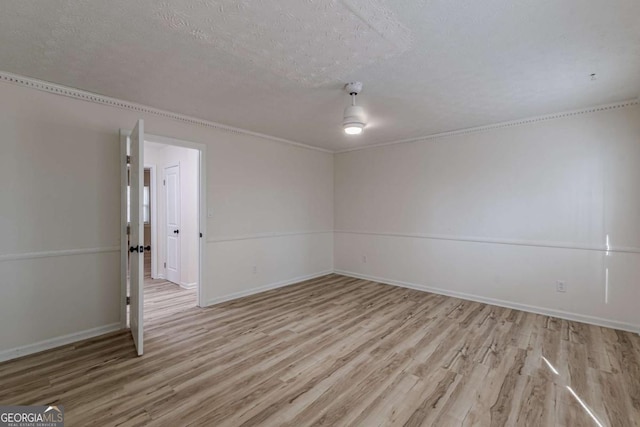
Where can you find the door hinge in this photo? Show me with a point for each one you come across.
(128, 230)
(164, 182)
(165, 265)
(201, 235)
(128, 300)
(128, 160)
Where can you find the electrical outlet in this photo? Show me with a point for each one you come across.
(561, 286)
(364, 259)
(255, 269)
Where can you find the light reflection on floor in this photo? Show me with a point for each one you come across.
(574, 394)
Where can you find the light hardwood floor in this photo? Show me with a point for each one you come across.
(338, 351)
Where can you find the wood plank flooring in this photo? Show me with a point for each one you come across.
(338, 351)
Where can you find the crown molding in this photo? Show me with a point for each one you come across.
(501, 125)
(132, 106)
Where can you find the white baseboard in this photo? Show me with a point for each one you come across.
(501, 303)
(192, 285)
(264, 288)
(14, 353)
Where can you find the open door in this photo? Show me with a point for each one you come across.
(136, 237)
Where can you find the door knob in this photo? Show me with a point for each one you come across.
(176, 231)
(138, 249)
(147, 248)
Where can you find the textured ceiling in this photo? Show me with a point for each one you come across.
(278, 67)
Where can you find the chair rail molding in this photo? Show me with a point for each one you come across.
(58, 253)
(265, 235)
(496, 241)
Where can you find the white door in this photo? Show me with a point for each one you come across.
(136, 238)
(172, 186)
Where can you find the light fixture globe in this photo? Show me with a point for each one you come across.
(354, 119)
(353, 130)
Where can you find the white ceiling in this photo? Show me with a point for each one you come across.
(278, 67)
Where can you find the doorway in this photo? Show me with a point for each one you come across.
(147, 206)
(163, 251)
(175, 235)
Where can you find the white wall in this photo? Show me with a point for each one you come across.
(273, 210)
(60, 214)
(501, 215)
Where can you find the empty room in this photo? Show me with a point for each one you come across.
(340, 213)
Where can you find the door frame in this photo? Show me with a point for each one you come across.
(202, 214)
(153, 217)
